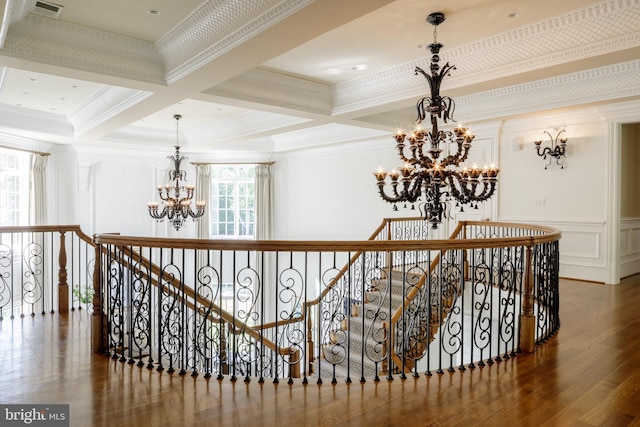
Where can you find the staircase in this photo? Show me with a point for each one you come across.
(360, 345)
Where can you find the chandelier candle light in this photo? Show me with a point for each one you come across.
(556, 149)
(176, 196)
(429, 176)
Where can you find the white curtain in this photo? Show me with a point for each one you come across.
(263, 231)
(264, 201)
(37, 189)
(203, 192)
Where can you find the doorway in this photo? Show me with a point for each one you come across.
(629, 229)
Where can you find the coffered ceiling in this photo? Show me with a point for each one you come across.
(265, 76)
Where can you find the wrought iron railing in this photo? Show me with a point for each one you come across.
(395, 304)
(44, 269)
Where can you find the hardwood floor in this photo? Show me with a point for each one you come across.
(588, 375)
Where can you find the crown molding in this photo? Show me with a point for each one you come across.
(623, 112)
(612, 25)
(607, 83)
(207, 33)
(372, 143)
(554, 119)
(23, 143)
(156, 138)
(33, 121)
(324, 135)
(44, 40)
(217, 27)
(267, 87)
(244, 125)
(15, 11)
(107, 102)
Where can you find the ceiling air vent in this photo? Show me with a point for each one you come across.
(50, 10)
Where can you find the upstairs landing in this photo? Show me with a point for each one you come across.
(589, 374)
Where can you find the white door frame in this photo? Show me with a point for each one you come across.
(615, 116)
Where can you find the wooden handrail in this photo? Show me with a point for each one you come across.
(357, 247)
(380, 242)
(550, 234)
(63, 285)
(47, 228)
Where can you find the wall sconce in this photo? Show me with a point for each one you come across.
(555, 150)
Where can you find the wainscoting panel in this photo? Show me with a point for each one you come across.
(582, 247)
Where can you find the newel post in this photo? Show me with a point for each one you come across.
(98, 344)
(527, 317)
(63, 286)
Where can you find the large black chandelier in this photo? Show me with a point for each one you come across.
(176, 195)
(430, 177)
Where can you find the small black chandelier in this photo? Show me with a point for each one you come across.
(429, 177)
(556, 149)
(176, 196)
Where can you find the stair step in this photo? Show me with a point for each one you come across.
(372, 348)
(362, 332)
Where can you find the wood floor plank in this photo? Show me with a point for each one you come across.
(588, 375)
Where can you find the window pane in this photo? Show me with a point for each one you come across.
(233, 200)
(14, 176)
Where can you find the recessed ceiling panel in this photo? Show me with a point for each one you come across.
(398, 33)
(44, 92)
(141, 19)
(194, 113)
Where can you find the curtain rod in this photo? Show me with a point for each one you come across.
(41, 153)
(231, 163)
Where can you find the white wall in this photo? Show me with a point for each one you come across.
(114, 188)
(61, 187)
(572, 199)
(330, 193)
(575, 193)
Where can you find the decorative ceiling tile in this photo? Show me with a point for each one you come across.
(217, 27)
(595, 30)
(599, 84)
(46, 40)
